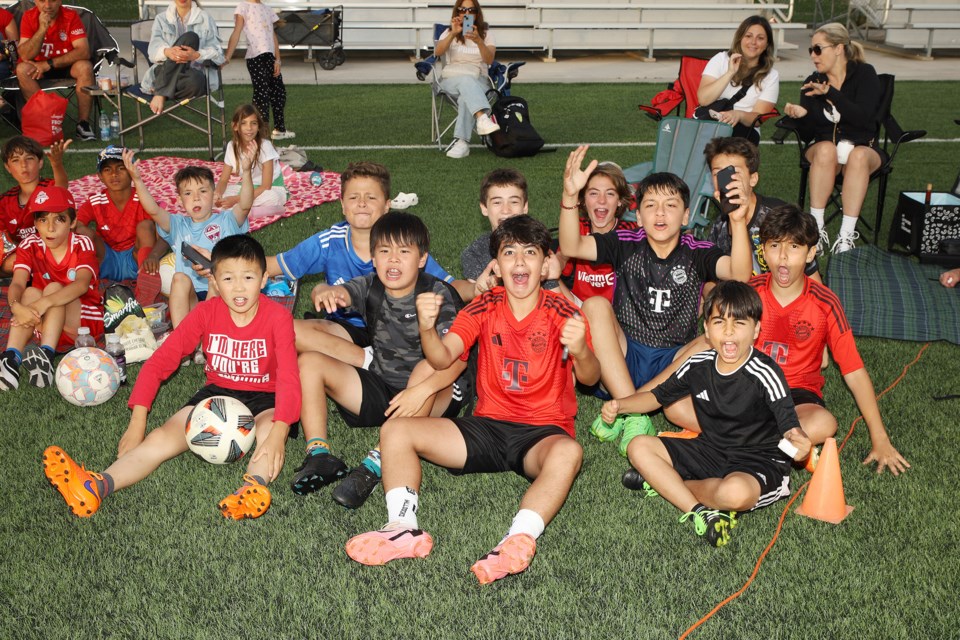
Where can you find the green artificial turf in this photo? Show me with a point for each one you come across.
(159, 561)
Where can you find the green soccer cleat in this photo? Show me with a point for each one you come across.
(636, 424)
(607, 432)
(712, 525)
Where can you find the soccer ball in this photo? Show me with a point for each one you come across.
(220, 430)
(168, 266)
(87, 377)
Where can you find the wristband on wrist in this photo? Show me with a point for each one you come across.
(563, 206)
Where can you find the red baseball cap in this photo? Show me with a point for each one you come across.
(51, 198)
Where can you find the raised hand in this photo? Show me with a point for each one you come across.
(428, 308)
(575, 178)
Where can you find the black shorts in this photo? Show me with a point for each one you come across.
(375, 398)
(697, 459)
(360, 336)
(495, 445)
(805, 396)
(256, 401)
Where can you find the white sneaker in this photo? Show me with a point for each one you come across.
(404, 200)
(845, 242)
(282, 135)
(198, 357)
(823, 242)
(486, 126)
(459, 149)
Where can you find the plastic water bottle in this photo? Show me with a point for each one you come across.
(115, 126)
(115, 349)
(104, 127)
(316, 178)
(84, 339)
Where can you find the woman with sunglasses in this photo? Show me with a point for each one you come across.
(748, 63)
(466, 54)
(839, 111)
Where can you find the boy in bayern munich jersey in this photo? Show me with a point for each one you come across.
(743, 403)
(53, 292)
(660, 273)
(531, 345)
(248, 342)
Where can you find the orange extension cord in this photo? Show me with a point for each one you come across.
(776, 534)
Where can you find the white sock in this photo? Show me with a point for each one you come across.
(818, 216)
(402, 504)
(367, 357)
(528, 522)
(848, 226)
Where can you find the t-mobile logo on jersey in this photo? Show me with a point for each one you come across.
(514, 373)
(659, 298)
(776, 350)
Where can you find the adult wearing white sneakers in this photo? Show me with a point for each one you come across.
(839, 106)
(467, 53)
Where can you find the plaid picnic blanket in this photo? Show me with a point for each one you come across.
(889, 296)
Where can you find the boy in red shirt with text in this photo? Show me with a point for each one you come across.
(239, 322)
(531, 345)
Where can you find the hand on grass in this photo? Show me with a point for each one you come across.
(886, 456)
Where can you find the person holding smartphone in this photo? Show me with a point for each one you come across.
(467, 49)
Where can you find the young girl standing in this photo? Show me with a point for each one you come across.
(249, 137)
(256, 20)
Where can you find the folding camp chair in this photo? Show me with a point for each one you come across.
(103, 49)
(679, 150)
(201, 113)
(888, 131)
(500, 76)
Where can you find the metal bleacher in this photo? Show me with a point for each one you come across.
(535, 25)
(911, 25)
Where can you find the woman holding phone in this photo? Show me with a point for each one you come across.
(839, 110)
(467, 48)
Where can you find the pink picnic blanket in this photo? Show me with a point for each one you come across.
(158, 176)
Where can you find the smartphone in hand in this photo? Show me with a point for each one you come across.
(195, 256)
(724, 178)
(468, 23)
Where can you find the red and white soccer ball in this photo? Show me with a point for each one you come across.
(220, 430)
(87, 377)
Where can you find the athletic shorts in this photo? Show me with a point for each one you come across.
(375, 398)
(256, 401)
(118, 265)
(494, 446)
(643, 363)
(66, 341)
(697, 459)
(360, 336)
(805, 396)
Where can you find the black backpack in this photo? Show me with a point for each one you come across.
(424, 284)
(516, 138)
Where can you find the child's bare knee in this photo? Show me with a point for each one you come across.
(643, 447)
(51, 289)
(567, 453)
(597, 307)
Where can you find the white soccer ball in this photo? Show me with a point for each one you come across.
(168, 266)
(87, 377)
(220, 430)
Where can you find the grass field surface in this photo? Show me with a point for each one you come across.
(159, 561)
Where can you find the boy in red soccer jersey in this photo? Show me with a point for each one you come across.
(249, 345)
(531, 345)
(54, 290)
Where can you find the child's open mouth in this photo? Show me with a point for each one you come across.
(783, 275)
(394, 274)
(521, 278)
(240, 302)
(196, 209)
(729, 350)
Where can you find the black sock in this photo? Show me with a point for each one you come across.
(104, 484)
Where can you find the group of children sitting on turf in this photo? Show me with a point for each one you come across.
(398, 349)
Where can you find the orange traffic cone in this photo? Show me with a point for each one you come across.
(825, 500)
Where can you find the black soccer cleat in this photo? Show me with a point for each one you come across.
(38, 365)
(9, 372)
(317, 471)
(634, 481)
(356, 488)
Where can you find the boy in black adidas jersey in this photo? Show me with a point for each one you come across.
(744, 406)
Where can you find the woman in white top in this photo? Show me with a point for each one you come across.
(748, 63)
(467, 54)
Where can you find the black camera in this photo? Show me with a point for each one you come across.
(8, 51)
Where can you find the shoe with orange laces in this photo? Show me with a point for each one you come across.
(511, 556)
(74, 483)
(249, 501)
(376, 548)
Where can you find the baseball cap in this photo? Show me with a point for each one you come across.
(52, 198)
(110, 153)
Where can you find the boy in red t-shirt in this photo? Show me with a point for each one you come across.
(531, 344)
(249, 345)
(53, 292)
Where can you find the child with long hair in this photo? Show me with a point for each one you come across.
(250, 137)
(255, 20)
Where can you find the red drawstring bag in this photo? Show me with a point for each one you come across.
(42, 117)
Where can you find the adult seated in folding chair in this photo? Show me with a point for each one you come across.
(745, 76)
(54, 44)
(183, 37)
(467, 55)
(838, 110)
(9, 30)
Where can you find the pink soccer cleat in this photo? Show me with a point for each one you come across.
(511, 556)
(380, 547)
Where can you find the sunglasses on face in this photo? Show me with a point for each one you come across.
(817, 49)
(467, 10)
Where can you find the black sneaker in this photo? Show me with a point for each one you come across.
(9, 372)
(317, 471)
(85, 131)
(634, 481)
(712, 525)
(356, 488)
(38, 363)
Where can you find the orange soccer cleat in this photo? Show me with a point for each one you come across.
(249, 501)
(376, 548)
(511, 556)
(77, 485)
